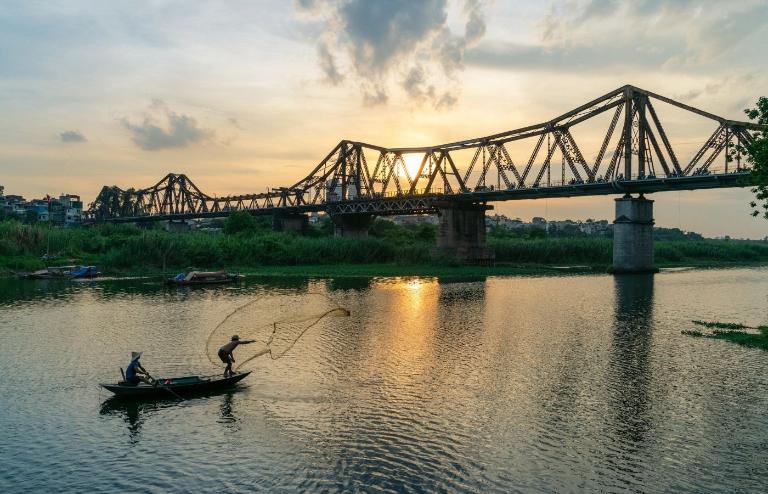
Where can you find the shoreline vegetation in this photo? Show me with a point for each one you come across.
(247, 245)
(749, 336)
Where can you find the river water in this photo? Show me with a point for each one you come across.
(508, 384)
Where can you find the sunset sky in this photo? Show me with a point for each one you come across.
(244, 95)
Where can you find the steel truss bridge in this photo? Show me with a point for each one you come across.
(634, 155)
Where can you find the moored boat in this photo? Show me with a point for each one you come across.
(51, 272)
(203, 278)
(85, 272)
(175, 386)
(62, 272)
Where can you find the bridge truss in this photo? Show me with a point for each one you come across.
(634, 154)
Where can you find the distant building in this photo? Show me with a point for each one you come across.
(178, 226)
(592, 227)
(317, 217)
(67, 210)
(14, 204)
(56, 212)
(40, 208)
(500, 220)
(418, 219)
(73, 209)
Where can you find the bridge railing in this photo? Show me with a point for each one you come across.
(553, 183)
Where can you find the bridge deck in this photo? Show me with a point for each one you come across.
(421, 204)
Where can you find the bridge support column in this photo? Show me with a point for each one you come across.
(461, 232)
(292, 222)
(352, 225)
(633, 236)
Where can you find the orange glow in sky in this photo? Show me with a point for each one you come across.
(246, 98)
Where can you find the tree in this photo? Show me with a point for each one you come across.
(30, 216)
(756, 154)
(239, 221)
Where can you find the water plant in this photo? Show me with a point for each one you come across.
(721, 325)
(733, 332)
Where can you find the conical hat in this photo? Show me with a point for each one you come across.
(135, 355)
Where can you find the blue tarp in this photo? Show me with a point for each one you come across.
(84, 271)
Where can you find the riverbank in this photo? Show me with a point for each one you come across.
(400, 251)
(395, 270)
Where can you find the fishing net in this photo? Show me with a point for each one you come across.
(275, 323)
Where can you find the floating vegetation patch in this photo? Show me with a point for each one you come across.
(749, 336)
(722, 325)
(729, 331)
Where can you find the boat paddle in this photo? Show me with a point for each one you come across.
(155, 383)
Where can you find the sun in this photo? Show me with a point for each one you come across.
(412, 163)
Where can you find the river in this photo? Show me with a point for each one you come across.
(502, 384)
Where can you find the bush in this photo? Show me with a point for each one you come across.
(238, 222)
(251, 243)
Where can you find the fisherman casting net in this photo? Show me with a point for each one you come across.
(276, 323)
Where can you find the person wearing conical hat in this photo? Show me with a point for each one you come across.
(135, 373)
(225, 353)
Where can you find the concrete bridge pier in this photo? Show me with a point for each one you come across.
(290, 222)
(352, 225)
(633, 235)
(461, 232)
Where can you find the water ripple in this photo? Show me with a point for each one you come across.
(581, 383)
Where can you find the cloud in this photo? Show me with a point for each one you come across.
(597, 9)
(328, 65)
(72, 136)
(572, 57)
(403, 40)
(447, 100)
(688, 95)
(722, 33)
(723, 85)
(374, 96)
(378, 33)
(304, 4)
(415, 82)
(180, 130)
(706, 29)
(475, 27)
(685, 36)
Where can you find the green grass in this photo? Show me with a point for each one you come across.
(391, 250)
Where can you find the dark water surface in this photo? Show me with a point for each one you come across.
(517, 384)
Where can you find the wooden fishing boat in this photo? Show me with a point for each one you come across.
(50, 273)
(203, 278)
(62, 272)
(175, 387)
(85, 272)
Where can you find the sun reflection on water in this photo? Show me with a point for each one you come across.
(406, 339)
